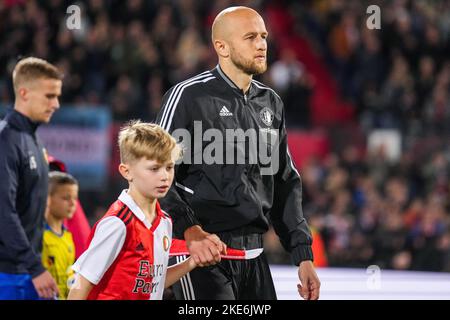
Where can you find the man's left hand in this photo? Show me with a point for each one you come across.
(309, 286)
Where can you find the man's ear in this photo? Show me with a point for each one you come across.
(222, 48)
(124, 170)
(23, 93)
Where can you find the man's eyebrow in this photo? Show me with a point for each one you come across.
(252, 33)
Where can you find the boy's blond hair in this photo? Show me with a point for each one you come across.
(31, 69)
(139, 139)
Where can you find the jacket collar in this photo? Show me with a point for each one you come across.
(221, 75)
(21, 122)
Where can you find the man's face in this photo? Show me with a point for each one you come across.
(63, 201)
(151, 178)
(248, 45)
(43, 99)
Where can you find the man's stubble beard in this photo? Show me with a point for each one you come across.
(249, 67)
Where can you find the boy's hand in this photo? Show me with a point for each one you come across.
(191, 263)
(204, 248)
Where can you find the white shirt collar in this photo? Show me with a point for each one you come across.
(129, 202)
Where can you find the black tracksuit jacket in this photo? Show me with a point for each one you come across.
(23, 195)
(230, 197)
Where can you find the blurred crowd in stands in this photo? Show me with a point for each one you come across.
(363, 207)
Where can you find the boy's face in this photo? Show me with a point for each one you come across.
(150, 177)
(63, 201)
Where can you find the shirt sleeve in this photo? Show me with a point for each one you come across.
(105, 246)
(287, 214)
(12, 233)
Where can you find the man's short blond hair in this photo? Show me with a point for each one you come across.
(139, 139)
(31, 69)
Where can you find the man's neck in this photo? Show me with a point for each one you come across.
(239, 78)
(148, 206)
(19, 107)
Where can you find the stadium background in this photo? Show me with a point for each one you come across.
(368, 111)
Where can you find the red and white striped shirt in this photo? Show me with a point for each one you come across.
(127, 257)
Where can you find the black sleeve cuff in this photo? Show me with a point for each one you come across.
(36, 270)
(301, 253)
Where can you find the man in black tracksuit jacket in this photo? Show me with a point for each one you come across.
(23, 177)
(24, 182)
(234, 200)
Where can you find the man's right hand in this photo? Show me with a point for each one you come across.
(205, 248)
(45, 286)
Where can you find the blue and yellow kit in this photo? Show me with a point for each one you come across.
(58, 255)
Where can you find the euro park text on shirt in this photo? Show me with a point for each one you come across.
(148, 271)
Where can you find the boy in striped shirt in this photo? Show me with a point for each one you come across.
(128, 254)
